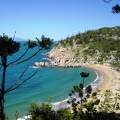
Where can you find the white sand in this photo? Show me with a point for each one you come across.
(111, 78)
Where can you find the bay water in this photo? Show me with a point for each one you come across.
(48, 82)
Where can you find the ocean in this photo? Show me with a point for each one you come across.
(48, 82)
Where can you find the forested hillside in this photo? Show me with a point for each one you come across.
(99, 46)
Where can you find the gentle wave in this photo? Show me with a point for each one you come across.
(33, 67)
(63, 104)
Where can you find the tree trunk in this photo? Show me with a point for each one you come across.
(82, 91)
(83, 82)
(3, 89)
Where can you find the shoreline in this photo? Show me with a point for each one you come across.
(97, 82)
(107, 79)
(110, 79)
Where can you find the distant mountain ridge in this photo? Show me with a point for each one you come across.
(19, 39)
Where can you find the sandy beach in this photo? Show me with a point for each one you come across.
(111, 78)
(111, 81)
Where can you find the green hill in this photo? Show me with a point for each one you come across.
(102, 46)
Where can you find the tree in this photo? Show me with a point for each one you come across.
(84, 75)
(78, 91)
(90, 107)
(8, 47)
(115, 9)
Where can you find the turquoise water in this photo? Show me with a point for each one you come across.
(55, 82)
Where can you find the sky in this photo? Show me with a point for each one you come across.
(56, 19)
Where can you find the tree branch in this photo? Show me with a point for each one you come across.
(107, 1)
(15, 86)
(17, 80)
(18, 58)
(28, 57)
(14, 35)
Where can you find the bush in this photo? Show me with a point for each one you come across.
(41, 112)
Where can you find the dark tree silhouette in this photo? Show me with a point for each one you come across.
(84, 75)
(107, 1)
(78, 91)
(8, 47)
(115, 9)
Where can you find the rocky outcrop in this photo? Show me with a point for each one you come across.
(45, 64)
(63, 57)
(69, 57)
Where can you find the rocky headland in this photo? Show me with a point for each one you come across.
(92, 47)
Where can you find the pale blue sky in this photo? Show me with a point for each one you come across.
(55, 18)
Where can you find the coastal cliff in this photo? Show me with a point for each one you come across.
(91, 47)
(63, 57)
(66, 57)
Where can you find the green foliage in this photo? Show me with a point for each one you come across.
(45, 112)
(88, 108)
(33, 110)
(85, 58)
(88, 90)
(79, 91)
(64, 114)
(8, 46)
(41, 112)
(100, 60)
(45, 42)
(91, 108)
(77, 52)
(65, 43)
(110, 104)
(31, 44)
(103, 43)
(116, 65)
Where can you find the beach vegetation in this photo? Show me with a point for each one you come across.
(45, 112)
(41, 112)
(116, 65)
(8, 47)
(91, 108)
(83, 107)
